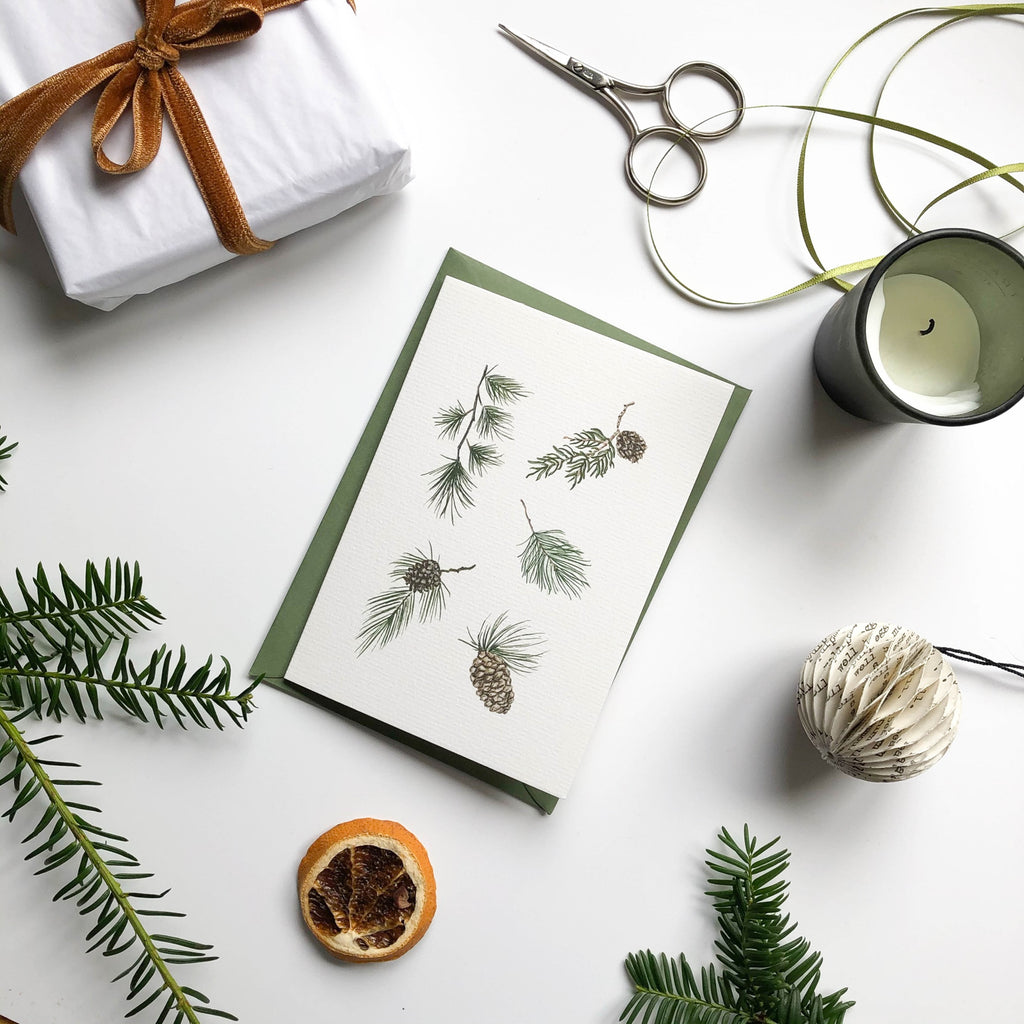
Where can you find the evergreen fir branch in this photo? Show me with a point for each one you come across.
(6, 450)
(548, 560)
(481, 457)
(767, 975)
(104, 883)
(504, 390)
(493, 421)
(450, 420)
(668, 992)
(451, 489)
(109, 602)
(69, 681)
(387, 616)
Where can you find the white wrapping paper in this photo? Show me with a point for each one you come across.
(297, 112)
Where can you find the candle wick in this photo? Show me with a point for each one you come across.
(929, 328)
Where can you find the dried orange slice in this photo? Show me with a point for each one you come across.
(366, 889)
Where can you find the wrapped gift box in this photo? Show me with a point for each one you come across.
(297, 111)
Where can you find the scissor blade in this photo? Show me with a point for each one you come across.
(571, 66)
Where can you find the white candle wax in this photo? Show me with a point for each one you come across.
(924, 340)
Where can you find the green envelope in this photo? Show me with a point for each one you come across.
(279, 646)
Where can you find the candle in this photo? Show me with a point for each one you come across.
(934, 334)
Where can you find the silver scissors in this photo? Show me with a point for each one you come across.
(608, 89)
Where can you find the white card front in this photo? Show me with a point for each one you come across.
(507, 534)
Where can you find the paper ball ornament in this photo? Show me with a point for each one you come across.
(879, 702)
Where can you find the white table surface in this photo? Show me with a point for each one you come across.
(202, 429)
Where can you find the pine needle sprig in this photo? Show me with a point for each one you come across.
(449, 421)
(423, 592)
(452, 484)
(451, 489)
(513, 642)
(480, 457)
(387, 617)
(504, 390)
(494, 421)
(104, 884)
(6, 450)
(765, 974)
(550, 561)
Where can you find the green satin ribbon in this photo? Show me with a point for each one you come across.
(835, 276)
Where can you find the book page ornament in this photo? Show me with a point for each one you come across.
(878, 702)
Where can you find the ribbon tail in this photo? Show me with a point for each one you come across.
(208, 169)
(26, 118)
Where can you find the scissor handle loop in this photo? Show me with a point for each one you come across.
(713, 71)
(679, 138)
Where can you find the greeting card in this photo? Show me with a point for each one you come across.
(500, 531)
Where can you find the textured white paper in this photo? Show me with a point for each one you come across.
(623, 522)
(297, 112)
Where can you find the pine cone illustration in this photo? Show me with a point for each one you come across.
(423, 575)
(422, 593)
(492, 680)
(630, 445)
(500, 649)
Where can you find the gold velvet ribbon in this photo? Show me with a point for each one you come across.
(143, 74)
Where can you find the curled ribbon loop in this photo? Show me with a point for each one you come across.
(143, 74)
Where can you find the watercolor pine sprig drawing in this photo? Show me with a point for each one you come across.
(422, 592)
(589, 453)
(473, 429)
(501, 648)
(550, 561)
(65, 651)
(765, 974)
(6, 450)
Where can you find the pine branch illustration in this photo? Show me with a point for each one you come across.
(104, 883)
(764, 974)
(6, 450)
(450, 491)
(423, 592)
(548, 560)
(589, 453)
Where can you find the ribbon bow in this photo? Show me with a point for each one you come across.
(143, 73)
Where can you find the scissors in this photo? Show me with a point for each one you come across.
(609, 90)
